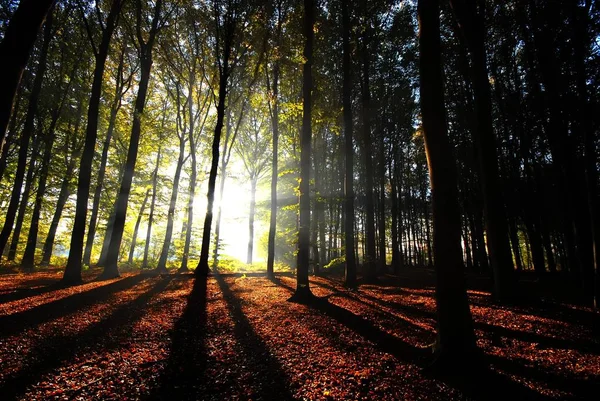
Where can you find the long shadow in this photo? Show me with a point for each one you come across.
(17, 322)
(183, 377)
(544, 341)
(385, 341)
(22, 293)
(481, 384)
(271, 380)
(581, 389)
(52, 352)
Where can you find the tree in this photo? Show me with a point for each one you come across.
(350, 270)
(14, 51)
(472, 26)
(303, 293)
(273, 96)
(72, 273)
(252, 148)
(32, 110)
(456, 337)
(144, 47)
(227, 20)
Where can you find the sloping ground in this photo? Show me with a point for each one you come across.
(234, 337)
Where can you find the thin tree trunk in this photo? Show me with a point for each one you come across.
(61, 201)
(251, 220)
(19, 38)
(472, 24)
(72, 273)
(152, 205)
(137, 227)
(369, 262)
(8, 44)
(350, 263)
(116, 105)
(274, 109)
(29, 255)
(16, 236)
(164, 254)
(111, 269)
(224, 72)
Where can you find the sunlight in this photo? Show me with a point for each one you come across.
(234, 218)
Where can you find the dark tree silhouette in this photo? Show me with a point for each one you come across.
(456, 338)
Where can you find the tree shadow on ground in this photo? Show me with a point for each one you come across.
(25, 292)
(183, 377)
(270, 381)
(480, 383)
(50, 353)
(12, 324)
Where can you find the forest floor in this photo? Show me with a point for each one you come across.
(234, 337)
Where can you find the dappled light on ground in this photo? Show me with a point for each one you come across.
(236, 337)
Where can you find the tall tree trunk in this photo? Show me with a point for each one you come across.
(471, 22)
(29, 255)
(164, 254)
(274, 109)
(137, 227)
(152, 205)
(5, 142)
(16, 236)
(111, 269)
(224, 72)
(394, 201)
(251, 214)
(72, 273)
(20, 26)
(303, 293)
(116, 105)
(61, 201)
(369, 262)
(19, 38)
(456, 338)
(190, 208)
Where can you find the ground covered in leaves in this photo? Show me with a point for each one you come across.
(235, 337)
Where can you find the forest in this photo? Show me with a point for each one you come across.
(299, 200)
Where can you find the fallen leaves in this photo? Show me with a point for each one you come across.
(238, 339)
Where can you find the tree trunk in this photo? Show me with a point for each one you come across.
(456, 338)
(29, 254)
(190, 208)
(19, 38)
(274, 167)
(111, 269)
(20, 24)
(11, 134)
(472, 25)
(89, 244)
(251, 220)
(164, 254)
(369, 262)
(224, 71)
(303, 293)
(61, 201)
(136, 228)
(152, 205)
(72, 273)
(16, 236)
